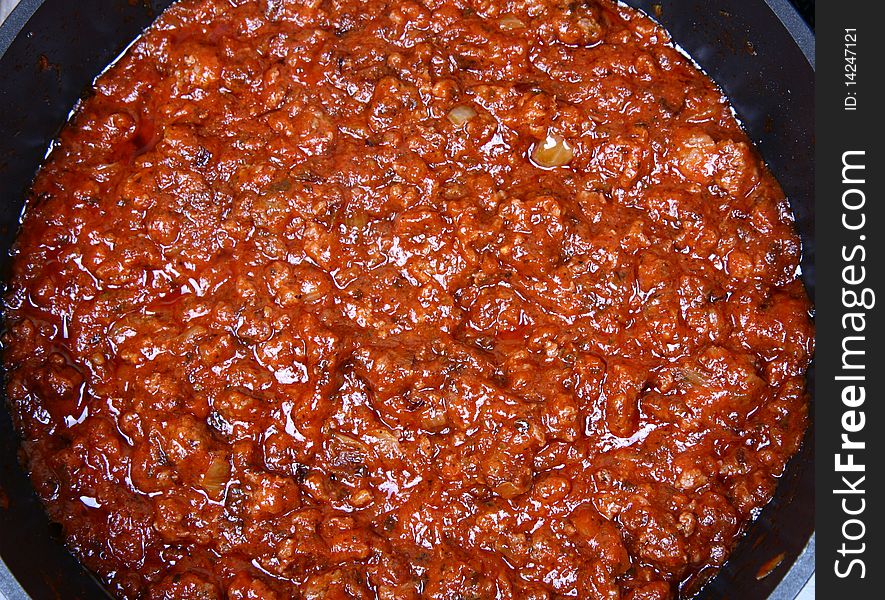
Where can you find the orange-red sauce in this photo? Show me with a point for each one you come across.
(449, 299)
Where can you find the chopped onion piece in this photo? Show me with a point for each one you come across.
(510, 22)
(311, 291)
(361, 498)
(554, 151)
(509, 490)
(357, 220)
(216, 477)
(386, 444)
(694, 378)
(459, 115)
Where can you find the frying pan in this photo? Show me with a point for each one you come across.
(759, 51)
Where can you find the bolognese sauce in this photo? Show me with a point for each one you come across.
(450, 299)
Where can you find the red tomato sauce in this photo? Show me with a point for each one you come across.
(448, 299)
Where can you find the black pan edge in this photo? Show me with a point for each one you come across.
(796, 25)
(15, 22)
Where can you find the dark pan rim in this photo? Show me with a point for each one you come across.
(800, 572)
(796, 26)
(16, 21)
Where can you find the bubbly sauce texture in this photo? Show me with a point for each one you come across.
(447, 299)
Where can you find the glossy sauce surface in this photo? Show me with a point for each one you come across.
(449, 299)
